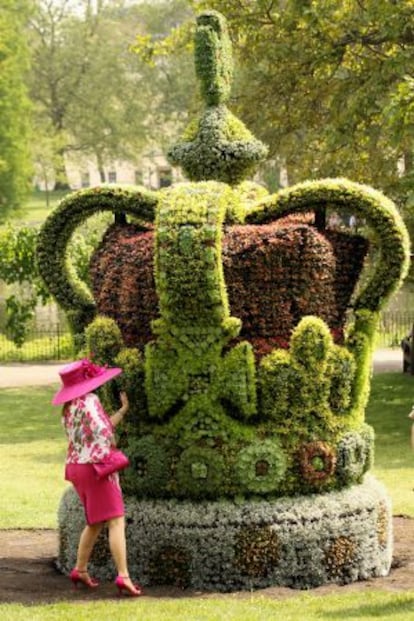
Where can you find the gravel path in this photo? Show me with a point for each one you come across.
(24, 374)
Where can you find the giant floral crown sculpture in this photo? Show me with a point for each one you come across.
(258, 437)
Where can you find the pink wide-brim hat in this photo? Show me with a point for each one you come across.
(81, 377)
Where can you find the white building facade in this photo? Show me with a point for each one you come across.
(152, 171)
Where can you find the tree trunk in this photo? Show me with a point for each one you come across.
(61, 178)
(101, 168)
(320, 218)
(408, 161)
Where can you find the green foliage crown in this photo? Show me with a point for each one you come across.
(207, 420)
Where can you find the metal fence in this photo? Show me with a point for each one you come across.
(394, 325)
(55, 343)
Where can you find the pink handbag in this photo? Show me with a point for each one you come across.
(116, 460)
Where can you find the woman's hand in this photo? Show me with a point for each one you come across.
(119, 415)
(124, 402)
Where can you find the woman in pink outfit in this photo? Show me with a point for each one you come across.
(90, 433)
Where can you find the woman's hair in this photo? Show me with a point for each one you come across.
(65, 408)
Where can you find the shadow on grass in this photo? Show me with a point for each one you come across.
(398, 606)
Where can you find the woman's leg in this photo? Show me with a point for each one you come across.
(86, 542)
(117, 544)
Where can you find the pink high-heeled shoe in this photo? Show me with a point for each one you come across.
(82, 577)
(134, 590)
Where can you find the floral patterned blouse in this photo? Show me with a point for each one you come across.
(88, 429)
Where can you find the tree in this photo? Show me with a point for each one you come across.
(328, 85)
(164, 48)
(14, 106)
(19, 268)
(45, 154)
(84, 82)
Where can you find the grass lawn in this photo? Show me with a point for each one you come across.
(391, 399)
(35, 210)
(33, 449)
(33, 443)
(302, 607)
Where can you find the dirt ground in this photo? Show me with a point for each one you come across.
(29, 576)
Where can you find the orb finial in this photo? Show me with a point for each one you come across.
(217, 146)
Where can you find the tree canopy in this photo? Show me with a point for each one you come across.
(327, 84)
(92, 94)
(334, 81)
(86, 95)
(14, 106)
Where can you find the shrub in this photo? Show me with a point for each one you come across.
(217, 145)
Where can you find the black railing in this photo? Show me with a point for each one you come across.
(394, 326)
(40, 344)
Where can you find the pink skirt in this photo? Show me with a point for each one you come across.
(101, 498)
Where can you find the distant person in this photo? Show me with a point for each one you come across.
(90, 433)
(411, 417)
(334, 220)
(352, 222)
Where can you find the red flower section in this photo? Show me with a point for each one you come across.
(123, 284)
(275, 274)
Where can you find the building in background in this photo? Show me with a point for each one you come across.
(153, 171)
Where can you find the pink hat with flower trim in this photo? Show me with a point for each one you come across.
(80, 377)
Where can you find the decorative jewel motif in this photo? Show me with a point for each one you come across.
(200, 472)
(317, 462)
(355, 454)
(261, 466)
(340, 555)
(382, 525)
(257, 551)
(171, 565)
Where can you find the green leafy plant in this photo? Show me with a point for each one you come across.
(19, 269)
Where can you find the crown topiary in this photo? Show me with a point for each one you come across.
(248, 446)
